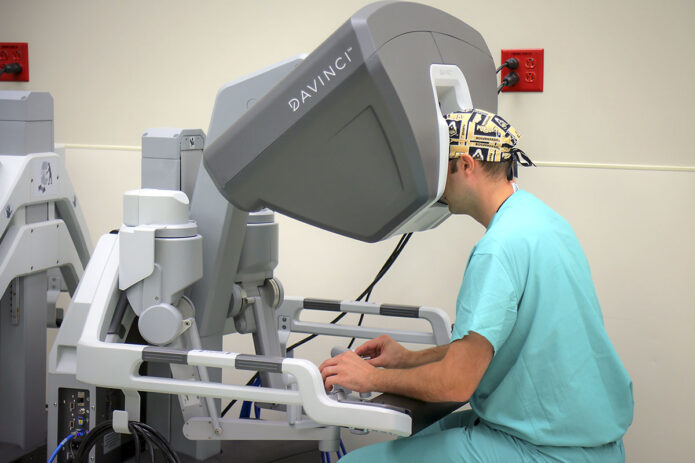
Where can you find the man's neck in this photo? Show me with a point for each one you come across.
(491, 200)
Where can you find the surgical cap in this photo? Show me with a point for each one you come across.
(486, 137)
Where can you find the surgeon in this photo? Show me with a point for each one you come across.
(528, 348)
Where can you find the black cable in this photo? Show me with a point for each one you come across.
(368, 290)
(136, 439)
(139, 430)
(387, 265)
(152, 442)
(152, 436)
(511, 63)
(359, 323)
(309, 338)
(366, 293)
(151, 448)
(12, 68)
(385, 268)
(71, 457)
(86, 446)
(161, 442)
(230, 404)
(510, 79)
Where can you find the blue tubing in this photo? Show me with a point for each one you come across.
(245, 410)
(60, 446)
(246, 406)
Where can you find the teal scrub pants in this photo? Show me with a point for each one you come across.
(461, 437)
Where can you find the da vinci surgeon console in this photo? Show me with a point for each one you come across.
(350, 139)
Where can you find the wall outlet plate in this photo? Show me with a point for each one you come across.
(530, 69)
(14, 53)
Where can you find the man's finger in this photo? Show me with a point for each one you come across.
(329, 371)
(362, 350)
(371, 351)
(330, 382)
(371, 344)
(375, 362)
(328, 362)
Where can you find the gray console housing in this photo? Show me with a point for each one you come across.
(348, 141)
(26, 122)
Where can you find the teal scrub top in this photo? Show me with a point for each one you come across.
(555, 378)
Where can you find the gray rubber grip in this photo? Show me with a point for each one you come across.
(408, 311)
(164, 355)
(258, 363)
(322, 304)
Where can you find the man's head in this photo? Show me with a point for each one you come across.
(487, 138)
(482, 160)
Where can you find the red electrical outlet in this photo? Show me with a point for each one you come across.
(15, 53)
(530, 70)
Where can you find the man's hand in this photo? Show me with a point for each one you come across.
(449, 373)
(348, 370)
(384, 352)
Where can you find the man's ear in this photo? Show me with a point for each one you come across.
(466, 163)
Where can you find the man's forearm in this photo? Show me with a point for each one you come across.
(453, 377)
(429, 382)
(422, 357)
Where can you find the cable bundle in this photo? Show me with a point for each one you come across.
(246, 406)
(141, 432)
(326, 456)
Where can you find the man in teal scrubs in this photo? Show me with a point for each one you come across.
(528, 349)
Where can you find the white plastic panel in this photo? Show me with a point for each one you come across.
(450, 93)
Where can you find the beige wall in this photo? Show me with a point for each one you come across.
(616, 92)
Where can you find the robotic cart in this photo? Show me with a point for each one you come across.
(44, 247)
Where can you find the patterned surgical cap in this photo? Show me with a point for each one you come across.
(486, 137)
